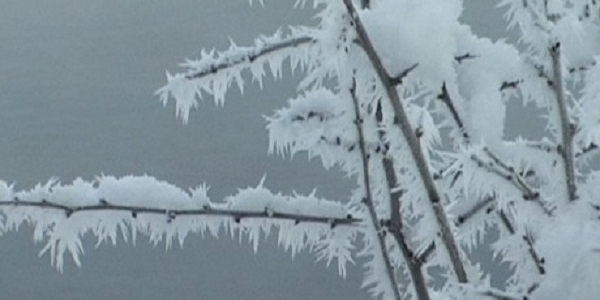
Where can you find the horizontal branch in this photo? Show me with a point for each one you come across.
(171, 214)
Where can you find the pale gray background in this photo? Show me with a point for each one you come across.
(76, 99)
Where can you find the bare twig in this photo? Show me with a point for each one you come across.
(459, 59)
(398, 79)
(510, 84)
(474, 210)
(445, 97)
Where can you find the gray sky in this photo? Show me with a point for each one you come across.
(76, 99)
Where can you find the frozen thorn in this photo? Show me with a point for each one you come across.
(206, 207)
(459, 59)
(44, 201)
(171, 216)
(297, 221)
(134, 214)
(16, 199)
(351, 148)
(460, 220)
(103, 202)
(349, 216)
(332, 223)
(419, 132)
(269, 211)
(237, 219)
(68, 212)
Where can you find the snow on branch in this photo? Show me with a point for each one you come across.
(214, 72)
(61, 214)
(320, 122)
(381, 246)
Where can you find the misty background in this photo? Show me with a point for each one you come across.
(77, 79)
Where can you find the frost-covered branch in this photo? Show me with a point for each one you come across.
(413, 143)
(233, 58)
(508, 173)
(62, 214)
(566, 127)
(214, 73)
(396, 227)
(444, 96)
(105, 206)
(539, 263)
(368, 200)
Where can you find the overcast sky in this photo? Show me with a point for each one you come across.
(76, 99)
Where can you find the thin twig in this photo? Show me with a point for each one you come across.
(539, 263)
(445, 97)
(515, 180)
(369, 203)
(395, 226)
(463, 218)
(398, 79)
(459, 59)
(171, 214)
(565, 123)
(251, 55)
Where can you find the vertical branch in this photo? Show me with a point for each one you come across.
(447, 235)
(369, 195)
(395, 225)
(566, 127)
